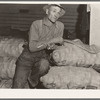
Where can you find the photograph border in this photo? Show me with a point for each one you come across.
(51, 94)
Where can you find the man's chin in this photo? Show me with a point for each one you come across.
(53, 21)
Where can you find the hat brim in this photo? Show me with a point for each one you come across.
(48, 6)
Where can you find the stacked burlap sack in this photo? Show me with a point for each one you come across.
(75, 67)
(10, 49)
(77, 54)
(11, 46)
(69, 77)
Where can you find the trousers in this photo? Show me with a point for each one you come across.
(30, 66)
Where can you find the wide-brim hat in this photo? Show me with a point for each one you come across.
(58, 5)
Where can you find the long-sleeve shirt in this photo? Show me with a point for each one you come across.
(41, 30)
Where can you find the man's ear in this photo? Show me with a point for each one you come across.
(47, 11)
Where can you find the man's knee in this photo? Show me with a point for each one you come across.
(44, 66)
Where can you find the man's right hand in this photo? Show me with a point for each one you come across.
(51, 46)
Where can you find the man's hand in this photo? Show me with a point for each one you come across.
(52, 46)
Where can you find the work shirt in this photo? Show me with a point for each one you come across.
(41, 30)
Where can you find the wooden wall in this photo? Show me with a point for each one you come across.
(70, 18)
(21, 16)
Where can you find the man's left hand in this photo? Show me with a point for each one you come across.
(52, 46)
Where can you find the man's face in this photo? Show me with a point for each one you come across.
(53, 13)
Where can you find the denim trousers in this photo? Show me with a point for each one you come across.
(30, 67)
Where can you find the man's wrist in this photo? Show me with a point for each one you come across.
(42, 45)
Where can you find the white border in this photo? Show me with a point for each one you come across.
(50, 93)
(46, 2)
(34, 93)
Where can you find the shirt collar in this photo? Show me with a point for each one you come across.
(47, 22)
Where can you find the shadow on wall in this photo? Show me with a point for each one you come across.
(69, 35)
(82, 26)
(16, 33)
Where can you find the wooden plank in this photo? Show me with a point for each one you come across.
(35, 17)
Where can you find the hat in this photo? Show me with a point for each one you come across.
(49, 5)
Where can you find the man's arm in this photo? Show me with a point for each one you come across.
(61, 31)
(34, 43)
(58, 39)
(39, 45)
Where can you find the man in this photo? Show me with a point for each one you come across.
(34, 60)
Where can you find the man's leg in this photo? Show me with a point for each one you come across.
(21, 75)
(23, 68)
(39, 69)
(44, 67)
